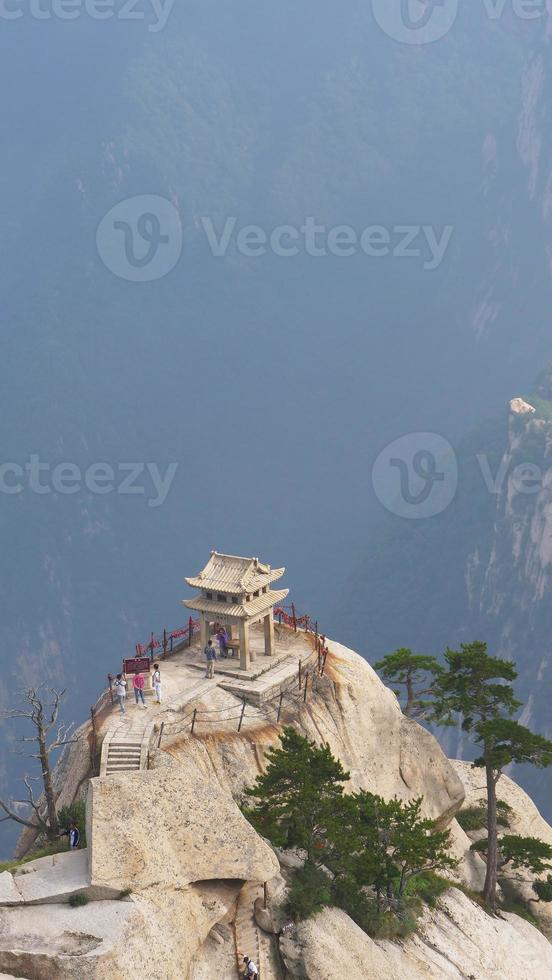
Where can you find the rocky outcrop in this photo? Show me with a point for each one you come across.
(154, 936)
(361, 720)
(50, 880)
(459, 940)
(167, 828)
(173, 843)
(518, 406)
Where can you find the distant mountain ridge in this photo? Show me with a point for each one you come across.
(480, 570)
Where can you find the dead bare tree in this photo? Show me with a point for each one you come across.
(41, 708)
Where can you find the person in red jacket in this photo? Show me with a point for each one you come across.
(138, 684)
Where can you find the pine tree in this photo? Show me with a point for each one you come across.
(393, 844)
(514, 852)
(477, 688)
(414, 672)
(297, 799)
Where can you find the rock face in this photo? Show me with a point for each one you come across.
(113, 940)
(168, 828)
(458, 941)
(520, 407)
(361, 721)
(50, 880)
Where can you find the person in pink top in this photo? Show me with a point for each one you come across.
(138, 684)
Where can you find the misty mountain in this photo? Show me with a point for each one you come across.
(272, 381)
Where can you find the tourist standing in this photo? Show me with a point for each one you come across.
(210, 657)
(120, 691)
(138, 684)
(74, 836)
(222, 637)
(156, 679)
(251, 970)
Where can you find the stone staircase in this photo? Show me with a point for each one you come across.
(126, 749)
(249, 939)
(123, 757)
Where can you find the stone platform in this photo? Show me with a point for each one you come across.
(266, 675)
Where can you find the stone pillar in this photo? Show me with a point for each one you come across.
(252, 651)
(269, 635)
(244, 646)
(203, 631)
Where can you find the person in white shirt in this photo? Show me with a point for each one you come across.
(120, 691)
(250, 968)
(157, 682)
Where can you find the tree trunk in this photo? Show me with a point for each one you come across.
(410, 697)
(48, 785)
(489, 890)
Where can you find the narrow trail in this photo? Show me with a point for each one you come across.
(250, 940)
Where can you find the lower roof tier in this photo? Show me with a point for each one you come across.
(241, 610)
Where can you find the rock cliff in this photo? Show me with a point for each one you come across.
(182, 867)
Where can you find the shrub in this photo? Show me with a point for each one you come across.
(79, 899)
(428, 887)
(475, 817)
(309, 893)
(472, 818)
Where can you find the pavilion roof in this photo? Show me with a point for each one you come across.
(241, 610)
(232, 573)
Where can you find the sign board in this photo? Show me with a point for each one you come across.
(137, 665)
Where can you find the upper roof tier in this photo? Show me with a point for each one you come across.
(260, 605)
(233, 574)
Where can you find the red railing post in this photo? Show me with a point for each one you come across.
(300, 675)
(190, 631)
(306, 687)
(294, 616)
(164, 642)
(110, 682)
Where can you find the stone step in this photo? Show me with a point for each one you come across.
(123, 760)
(111, 769)
(135, 761)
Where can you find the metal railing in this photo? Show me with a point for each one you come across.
(295, 693)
